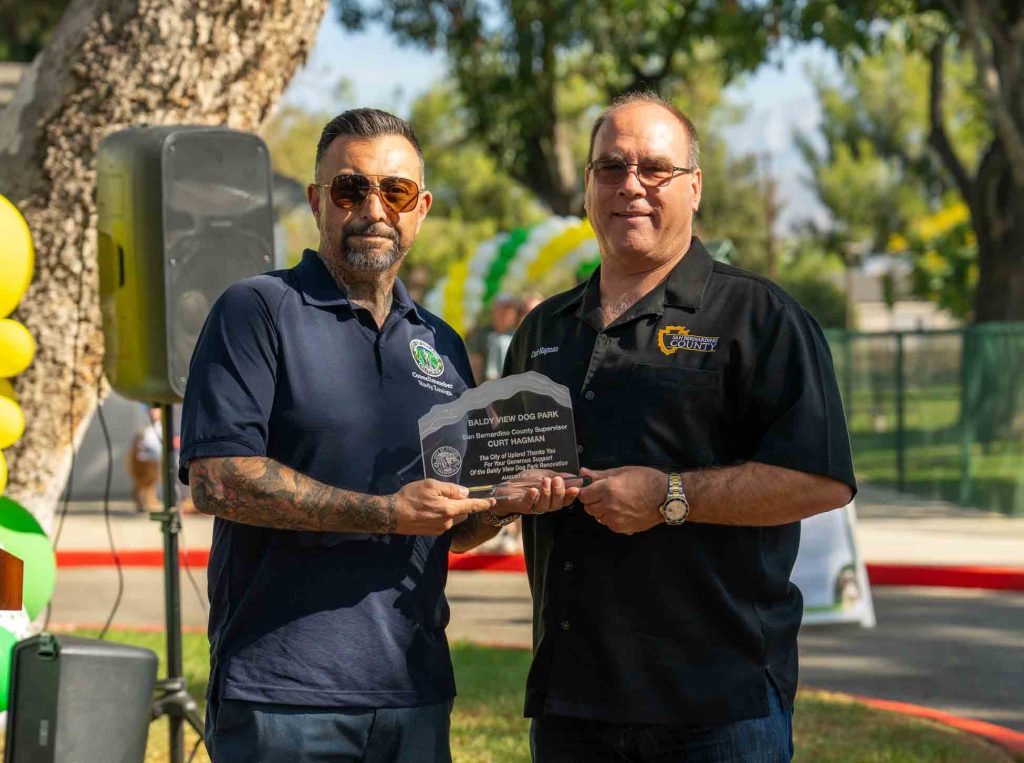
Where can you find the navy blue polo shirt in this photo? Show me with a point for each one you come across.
(286, 367)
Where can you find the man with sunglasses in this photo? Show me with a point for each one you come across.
(707, 413)
(299, 433)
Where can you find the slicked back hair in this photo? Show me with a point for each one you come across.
(649, 96)
(366, 124)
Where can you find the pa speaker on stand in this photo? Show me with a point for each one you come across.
(183, 212)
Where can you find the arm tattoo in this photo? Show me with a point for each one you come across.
(259, 491)
(471, 533)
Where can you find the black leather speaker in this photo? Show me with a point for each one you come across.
(75, 699)
(182, 213)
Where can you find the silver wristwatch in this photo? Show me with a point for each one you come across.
(676, 508)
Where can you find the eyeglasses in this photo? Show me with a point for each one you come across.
(350, 191)
(650, 173)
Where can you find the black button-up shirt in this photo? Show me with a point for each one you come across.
(678, 624)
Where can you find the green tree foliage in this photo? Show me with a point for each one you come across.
(473, 198)
(25, 27)
(991, 181)
(812, 276)
(510, 61)
(732, 204)
(873, 169)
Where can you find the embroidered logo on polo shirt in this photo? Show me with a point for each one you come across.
(673, 338)
(542, 351)
(446, 461)
(426, 357)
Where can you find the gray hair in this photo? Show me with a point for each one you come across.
(649, 96)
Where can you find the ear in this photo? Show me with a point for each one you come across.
(422, 208)
(696, 186)
(313, 199)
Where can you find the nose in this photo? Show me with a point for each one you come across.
(632, 186)
(373, 208)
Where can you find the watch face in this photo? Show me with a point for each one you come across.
(675, 510)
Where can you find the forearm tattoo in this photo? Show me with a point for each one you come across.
(471, 533)
(260, 491)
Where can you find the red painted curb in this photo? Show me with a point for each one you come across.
(130, 558)
(1007, 738)
(487, 562)
(949, 576)
(880, 574)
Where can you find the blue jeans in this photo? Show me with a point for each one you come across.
(251, 732)
(555, 739)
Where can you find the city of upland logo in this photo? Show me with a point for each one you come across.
(446, 461)
(673, 338)
(426, 357)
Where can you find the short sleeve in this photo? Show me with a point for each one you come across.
(230, 390)
(794, 406)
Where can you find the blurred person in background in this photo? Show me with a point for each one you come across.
(488, 342)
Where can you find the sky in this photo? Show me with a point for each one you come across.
(778, 99)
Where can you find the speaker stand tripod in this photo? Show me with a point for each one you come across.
(173, 700)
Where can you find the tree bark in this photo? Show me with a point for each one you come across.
(997, 216)
(113, 64)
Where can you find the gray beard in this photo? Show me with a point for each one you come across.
(373, 260)
(353, 255)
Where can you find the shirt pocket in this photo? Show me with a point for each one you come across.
(671, 418)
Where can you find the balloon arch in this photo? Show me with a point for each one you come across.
(511, 262)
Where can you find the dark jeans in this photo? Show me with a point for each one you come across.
(256, 732)
(555, 739)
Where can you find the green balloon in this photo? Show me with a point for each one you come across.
(506, 253)
(22, 536)
(7, 642)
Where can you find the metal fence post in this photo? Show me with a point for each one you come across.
(901, 388)
(966, 418)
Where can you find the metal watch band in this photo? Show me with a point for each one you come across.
(675, 494)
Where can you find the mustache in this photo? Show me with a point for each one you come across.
(369, 229)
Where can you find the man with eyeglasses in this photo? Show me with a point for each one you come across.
(708, 417)
(299, 434)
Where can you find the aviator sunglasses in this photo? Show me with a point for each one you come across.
(350, 191)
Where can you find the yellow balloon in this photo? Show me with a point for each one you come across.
(17, 257)
(12, 422)
(3, 473)
(17, 347)
(7, 389)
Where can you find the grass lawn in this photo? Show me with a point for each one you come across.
(488, 726)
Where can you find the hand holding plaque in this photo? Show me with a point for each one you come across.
(493, 435)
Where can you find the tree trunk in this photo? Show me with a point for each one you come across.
(113, 64)
(997, 215)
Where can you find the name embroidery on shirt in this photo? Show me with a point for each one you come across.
(542, 351)
(674, 338)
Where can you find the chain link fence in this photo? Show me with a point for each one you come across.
(939, 414)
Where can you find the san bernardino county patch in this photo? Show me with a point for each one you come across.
(671, 339)
(446, 461)
(426, 357)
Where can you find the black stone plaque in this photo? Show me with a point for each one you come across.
(493, 433)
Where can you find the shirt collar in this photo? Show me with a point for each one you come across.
(319, 288)
(684, 287)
